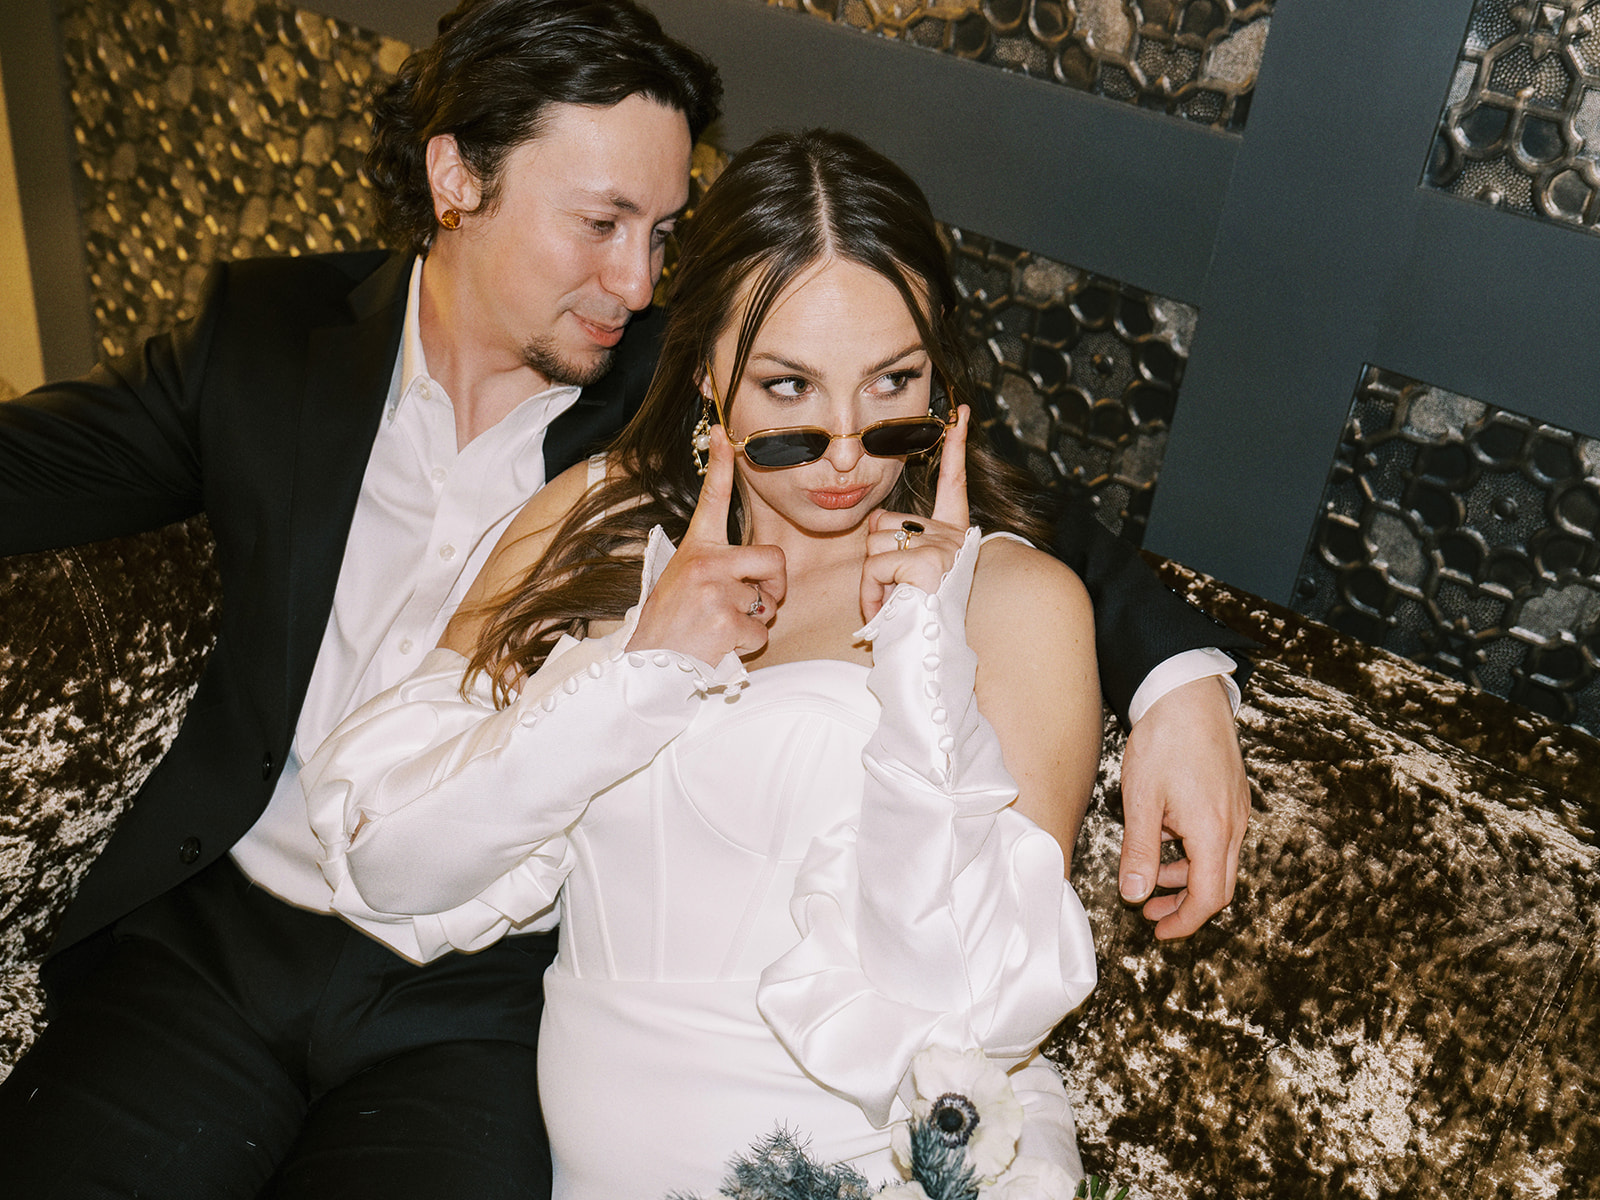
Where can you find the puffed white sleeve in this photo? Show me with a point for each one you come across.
(941, 916)
(444, 820)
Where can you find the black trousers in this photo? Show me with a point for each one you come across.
(231, 1045)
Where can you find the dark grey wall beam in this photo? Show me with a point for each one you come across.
(411, 21)
(1500, 308)
(41, 136)
(1103, 186)
(1316, 258)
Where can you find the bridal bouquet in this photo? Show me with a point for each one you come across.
(960, 1143)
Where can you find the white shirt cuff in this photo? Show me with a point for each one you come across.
(1179, 670)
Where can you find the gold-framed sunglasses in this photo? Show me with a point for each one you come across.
(798, 445)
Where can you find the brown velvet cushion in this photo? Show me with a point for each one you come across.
(100, 648)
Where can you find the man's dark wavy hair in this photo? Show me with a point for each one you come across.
(489, 77)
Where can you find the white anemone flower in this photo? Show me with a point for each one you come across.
(970, 1103)
(1031, 1179)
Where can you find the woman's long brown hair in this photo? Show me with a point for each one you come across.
(788, 201)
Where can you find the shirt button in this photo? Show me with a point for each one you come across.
(447, 552)
(427, 392)
(189, 851)
(437, 474)
(405, 645)
(266, 765)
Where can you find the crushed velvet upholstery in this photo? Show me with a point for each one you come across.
(1402, 1000)
(100, 649)
(1404, 997)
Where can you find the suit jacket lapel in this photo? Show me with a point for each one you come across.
(348, 371)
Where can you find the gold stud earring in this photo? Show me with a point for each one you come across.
(700, 443)
(450, 218)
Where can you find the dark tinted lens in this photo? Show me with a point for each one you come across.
(791, 448)
(913, 437)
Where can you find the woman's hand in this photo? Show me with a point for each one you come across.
(921, 558)
(713, 597)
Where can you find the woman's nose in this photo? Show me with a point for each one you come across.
(844, 452)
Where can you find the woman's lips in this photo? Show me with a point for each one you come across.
(837, 498)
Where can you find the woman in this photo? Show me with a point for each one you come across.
(790, 852)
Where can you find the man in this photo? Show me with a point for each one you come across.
(359, 429)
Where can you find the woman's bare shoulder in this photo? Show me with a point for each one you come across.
(1021, 595)
(1032, 628)
(1012, 573)
(549, 506)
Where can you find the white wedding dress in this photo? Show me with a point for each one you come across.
(774, 889)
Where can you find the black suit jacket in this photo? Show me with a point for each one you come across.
(261, 413)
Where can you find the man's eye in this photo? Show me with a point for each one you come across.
(600, 225)
(660, 236)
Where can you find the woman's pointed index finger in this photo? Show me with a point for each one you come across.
(709, 524)
(950, 494)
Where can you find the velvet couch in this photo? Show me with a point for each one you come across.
(1403, 999)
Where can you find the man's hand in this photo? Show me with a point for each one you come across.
(1183, 777)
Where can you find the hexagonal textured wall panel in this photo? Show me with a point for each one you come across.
(1466, 537)
(1195, 59)
(1521, 128)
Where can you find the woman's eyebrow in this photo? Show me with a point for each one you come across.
(884, 364)
(800, 368)
(784, 361)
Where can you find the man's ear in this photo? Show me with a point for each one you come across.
(449, 178)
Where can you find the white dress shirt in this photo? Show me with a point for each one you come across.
(426, 520)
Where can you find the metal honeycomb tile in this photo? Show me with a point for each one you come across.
(1466, 537)
(1194, 59)
(1520, 130)
(1084, 371)
(209, 129)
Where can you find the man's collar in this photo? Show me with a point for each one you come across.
(413, 362)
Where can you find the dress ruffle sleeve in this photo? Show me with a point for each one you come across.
(443, 820)
(941, 916)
